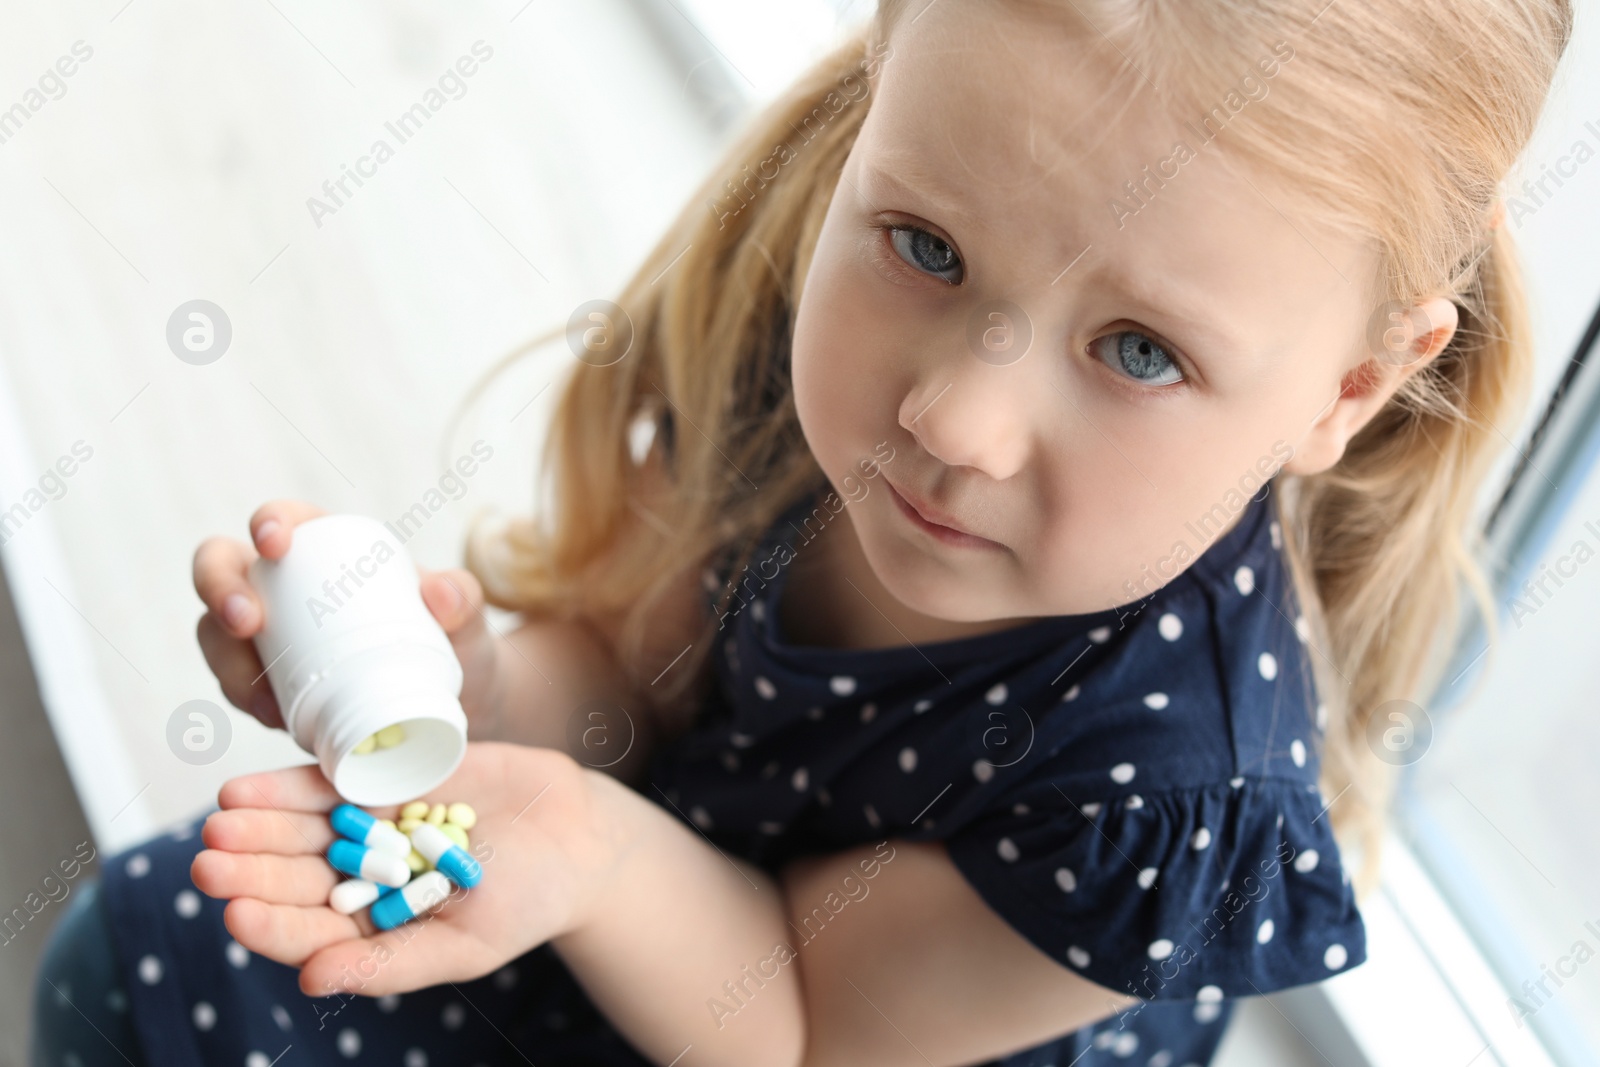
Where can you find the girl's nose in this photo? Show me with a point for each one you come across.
(975, 414)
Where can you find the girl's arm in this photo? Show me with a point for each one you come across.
(550, 672)
(552, 675)
(880, 954)
(919, 970)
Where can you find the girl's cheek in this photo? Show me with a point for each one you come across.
(827, 340)
(846, 345)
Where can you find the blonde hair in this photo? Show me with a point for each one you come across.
(1394, 120)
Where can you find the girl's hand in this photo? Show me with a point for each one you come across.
(234, 614)
(544, 837)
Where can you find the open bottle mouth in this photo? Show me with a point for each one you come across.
(390, 691)
(430, 753)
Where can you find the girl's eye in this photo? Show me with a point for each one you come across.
(1137, 356)
(926, 252)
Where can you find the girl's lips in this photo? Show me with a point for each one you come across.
(949, 535)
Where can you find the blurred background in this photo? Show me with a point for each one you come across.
(176, 164)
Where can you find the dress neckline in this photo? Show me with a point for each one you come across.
(1045, 629)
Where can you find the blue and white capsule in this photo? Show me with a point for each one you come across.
(446, 856)
(424, 892)
(360, 827)
(359, 861)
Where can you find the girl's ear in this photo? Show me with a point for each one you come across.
(1405, 341)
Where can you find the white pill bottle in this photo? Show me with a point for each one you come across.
(351, 648)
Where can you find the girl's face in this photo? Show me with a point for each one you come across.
(1180, 348)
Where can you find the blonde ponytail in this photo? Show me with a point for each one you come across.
(711, 308)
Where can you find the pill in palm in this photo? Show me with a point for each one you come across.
(359, 861)
(462, 815)
(416, 862)
(425, 891)
(455, 833)
(414, 810)
(351, 896)
(446, 856)
(436, 815)
(360, 827)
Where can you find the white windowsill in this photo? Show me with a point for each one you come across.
(1426, 994)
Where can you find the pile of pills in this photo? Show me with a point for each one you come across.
(388, 737)
(404, 869)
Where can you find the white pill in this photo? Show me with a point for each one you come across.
(351, 896)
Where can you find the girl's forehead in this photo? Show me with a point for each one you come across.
(1030, 143)
(1008, 98)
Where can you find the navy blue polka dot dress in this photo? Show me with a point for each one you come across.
(1133, 791)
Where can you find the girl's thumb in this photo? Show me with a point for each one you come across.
(453, 596)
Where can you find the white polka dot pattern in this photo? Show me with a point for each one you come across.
(1244, 579)
(186, 903)
(150, 970)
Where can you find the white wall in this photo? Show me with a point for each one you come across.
(177, 166)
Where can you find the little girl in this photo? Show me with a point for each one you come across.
(984, 530)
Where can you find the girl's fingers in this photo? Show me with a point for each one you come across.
(282, 833)
(421, 953)
(454, 596)
(300, 788)
(303, 881)
(238, 669)
(219, 569)
(285, 932)
(272, 525)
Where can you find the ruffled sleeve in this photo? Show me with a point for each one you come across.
(1198, 893)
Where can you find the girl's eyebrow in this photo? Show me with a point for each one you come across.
(907, 183)
(1190, 315)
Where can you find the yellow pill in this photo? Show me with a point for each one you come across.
(455, 833)
(388, 822)
(365, 745)
(436, 815)
(462, 815)
(390, 736)
(417, 862)
(417, 809)
(408, 825)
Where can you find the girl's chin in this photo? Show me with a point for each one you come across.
(927, 586)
